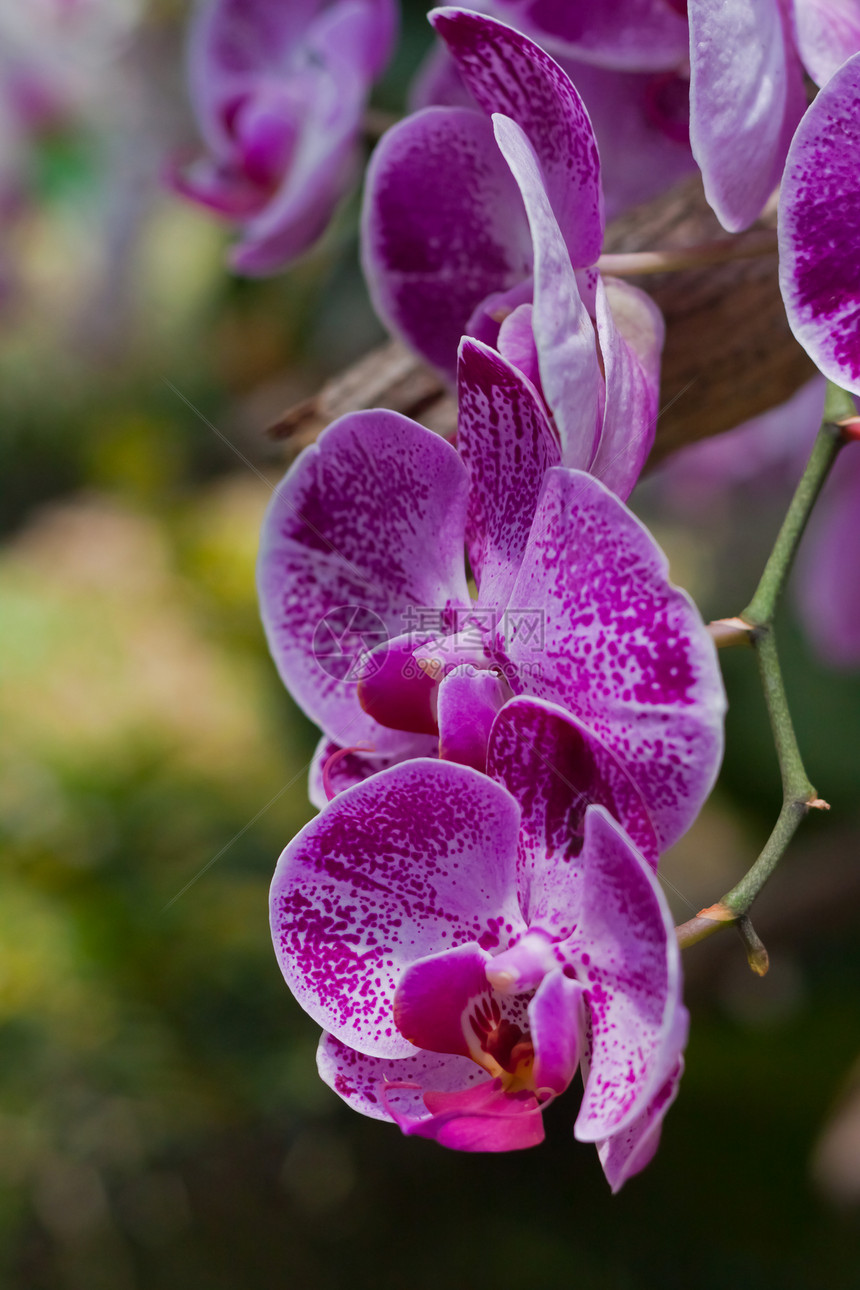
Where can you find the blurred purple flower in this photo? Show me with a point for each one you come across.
(279, 90)
(490, 228)
(465, 951)
(574, 606)
(747, 59)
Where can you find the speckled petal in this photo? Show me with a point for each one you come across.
(636, 34)
(335, 768)
(468, 703)
(509, 74)
(567, 351)
(556, 1025)
(641, 122)
(363, 1081)
(556, 769)
(819, 230)
(443, 227)
(624, 651)
(628, 1152)
(417, 859)
(372, 517)
(827, 34)
(507, 443)
(630, 329)
(746, 98)
(625, 953)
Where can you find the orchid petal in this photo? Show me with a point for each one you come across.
(396, 690)
(468, 703)
(416, 859)
(434, 994)
(369, 519)
(625, 952)
(630, 329)
(641, 123)
(827, 34)
(567, 352)
(556, 1023)
(509, 74)
(482, 1118)
(507, 443)
(324, 162)
(517, 343)
(487, 319)
(363, 1082)
(279, 91)
(819, 234)
(555, 769)
(639, 35)
(231, 44)
(746, 98)
(431, 1095)
(442, 228)
(624, 651)
(438, 83)
(221, 188)
(334, 768)
(628, 1152)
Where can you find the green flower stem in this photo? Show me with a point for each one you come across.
(760, 611)
(798, 794)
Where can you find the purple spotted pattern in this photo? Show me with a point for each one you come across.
(633, 35)
(372, 515)
(467, 220)
(534, 88)
(819, 229)
(279, 91)
(574, 605)
(455, 1002)
(620, 651)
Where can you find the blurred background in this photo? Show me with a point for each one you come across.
(161, 1121)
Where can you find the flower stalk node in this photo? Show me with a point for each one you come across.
(850, 429)
(727, 632)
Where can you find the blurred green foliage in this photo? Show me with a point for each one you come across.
(161, 1122)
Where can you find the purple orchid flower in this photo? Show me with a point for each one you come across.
(819, 237)
(465, 950)
(489, 228)
(625, 35)
(641, 122)
(279, 91)
(747, 59)
(574, 606)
